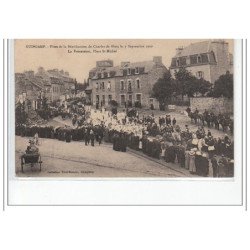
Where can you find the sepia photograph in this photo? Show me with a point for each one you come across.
(155, 108)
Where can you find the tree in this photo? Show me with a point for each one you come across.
(184, 79)
(204, 86)
(21, 116)
(198, 86)
(164, 89)
(188, 84)
(224, 86)
(44, 103)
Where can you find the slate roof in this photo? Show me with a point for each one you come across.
(195, 48)
(146, 65)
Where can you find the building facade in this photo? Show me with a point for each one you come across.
(128, 84)
(51, 84)
(208, 59)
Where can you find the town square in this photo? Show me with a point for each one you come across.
(129, 118)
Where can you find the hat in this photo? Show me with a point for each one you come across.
(191, 153)
(198, 153)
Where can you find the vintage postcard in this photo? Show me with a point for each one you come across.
(124, 108)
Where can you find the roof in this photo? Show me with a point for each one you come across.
(146, 65)
(194, 48)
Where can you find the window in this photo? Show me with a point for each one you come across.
(129, 85)
(122, 85)
(173, 63)
(178, 62)
(102, 75)
(204, 58)
(199, 59)
(138, 98)
(129, 71)
(136, 70)
(108, 74)
(102, 86)
(103, 99)
(138, 85)
(97, 98)
(183, 61)
(109, 86)
(97, 85)
(122, 99)
(193, 59)
(109, 98)
(200, 74)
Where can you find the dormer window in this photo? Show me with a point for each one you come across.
(137, 70)
(129, 71)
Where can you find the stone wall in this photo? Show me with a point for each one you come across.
(212, 104)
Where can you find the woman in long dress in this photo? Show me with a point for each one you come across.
(192, 168)
(187, 159)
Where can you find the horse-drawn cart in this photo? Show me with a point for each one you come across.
(32, 159)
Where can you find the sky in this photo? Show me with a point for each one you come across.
(31, 54)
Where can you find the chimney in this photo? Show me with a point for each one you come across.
(157, 59)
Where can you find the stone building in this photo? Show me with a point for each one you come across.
(208, 59)
(25, 89)
(128, 84)
(51, 84)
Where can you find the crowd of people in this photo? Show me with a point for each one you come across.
(161, 138)
(210, 119)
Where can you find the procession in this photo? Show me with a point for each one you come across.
(160, 138)
(143, 116)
